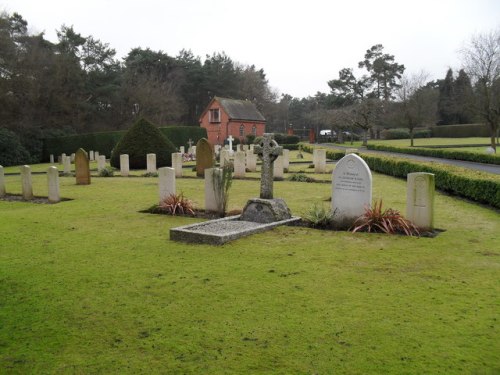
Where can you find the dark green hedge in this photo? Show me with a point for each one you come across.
(461, 131)
(104, 142)
(439, 153)
(477, 186)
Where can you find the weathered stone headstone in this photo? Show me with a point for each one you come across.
(420, 199)
(245, 147)
(96, 155)
(151, 163)
(177, 163)
(124, 165)
(238, 147)
(51, 158)
(53, 184)
(73, 157)
(319, 157)
(62, 158)
(251, 161)
(211, 201)
(224, 157)
(166, 182)
(82, 167)
(101, 163)
(278, 168)
(286, 159)
(351, 189)
(193, 150)
(268, 150)
(2, 182)
(205, 157)
(92, 156)
(239, 164)
(26, 182)
(182, 150)
(252, 147)
(67, 164)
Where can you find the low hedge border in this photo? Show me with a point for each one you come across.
(476, 186)
(439, 153)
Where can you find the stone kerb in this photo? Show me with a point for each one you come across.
(151, 163)
(2, 182)
(53, 185)
(420, 199)
(239, 164)
(166, 182)
(177, 163)
(205, 156)
(82, 167)
(351, 189)
(124, 165)
(27, 184)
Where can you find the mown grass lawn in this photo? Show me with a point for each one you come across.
(92, 285)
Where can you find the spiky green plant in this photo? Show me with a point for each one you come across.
(222, 180)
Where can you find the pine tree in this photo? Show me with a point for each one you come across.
(464, 98)
(447, 111)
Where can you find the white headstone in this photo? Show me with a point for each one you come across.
(166, 182)
(245, 148)
(73, 157)
(151, 163)
(26, 182)
(420, 199)
(252, 147)
(51, 158)
(351, 189)
(62, 158)
(278, 168)
(193, 150)
(239, 164)
(238, 147)
(211, 203)
(53, 183)
(124, 165)
(177, 163)
(224, 157)
(182, 150)
(96, 155)
(67, 164)
(101, 162)
(251, 161)
(286, 158)
(91, 156)
(319, 157)
(2, 182)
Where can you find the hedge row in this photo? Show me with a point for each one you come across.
(104, 142)
(476, 186)
(440, 153)
(405, 134)
(461, 131)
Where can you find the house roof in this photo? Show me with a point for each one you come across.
(240, 109)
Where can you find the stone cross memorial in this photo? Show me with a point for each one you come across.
(82, 167)
(420, 199)
(268, 151)
(230, 139)
(351, 189)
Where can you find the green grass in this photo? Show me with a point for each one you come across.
(93, 286)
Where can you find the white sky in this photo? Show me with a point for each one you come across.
(300, 44)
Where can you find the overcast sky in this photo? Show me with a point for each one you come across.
(300, 44)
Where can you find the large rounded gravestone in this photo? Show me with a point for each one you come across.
(204, 156)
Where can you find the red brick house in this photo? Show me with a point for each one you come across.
(224, 117)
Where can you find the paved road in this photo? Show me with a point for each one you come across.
(489, 168)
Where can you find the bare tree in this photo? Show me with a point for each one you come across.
(481, 59)
(413, 97)
(365, 115)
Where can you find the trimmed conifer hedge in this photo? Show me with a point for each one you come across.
(461, 131)
(476, 186)
(439, 153)
(104, 142)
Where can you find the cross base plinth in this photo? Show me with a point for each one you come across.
(260, 210)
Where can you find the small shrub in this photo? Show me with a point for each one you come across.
(388, 221)
(319, 216)
(106, 172)
(177, 204)
(222, 180)
(300, 177)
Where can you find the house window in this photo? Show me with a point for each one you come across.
(242, 130)
(214, 115)
(254, 130)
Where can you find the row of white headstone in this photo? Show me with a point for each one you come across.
(27, 183)
(352, 193)
(191, 150)
(247, 161)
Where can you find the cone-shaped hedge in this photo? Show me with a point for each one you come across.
(141, 139)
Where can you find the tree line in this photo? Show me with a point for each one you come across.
(77, 85)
